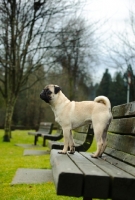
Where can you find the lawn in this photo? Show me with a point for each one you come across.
(11, 158)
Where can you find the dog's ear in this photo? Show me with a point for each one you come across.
(56, 89)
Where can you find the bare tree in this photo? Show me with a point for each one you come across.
(75, 55)
(26, 35)
(122, 52)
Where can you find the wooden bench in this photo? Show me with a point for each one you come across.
(83, 137)
(113, 175)
(57, 136)
(44, 128)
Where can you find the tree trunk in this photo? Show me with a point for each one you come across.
(8, 119)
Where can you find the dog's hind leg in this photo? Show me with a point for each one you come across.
(99, 149)
(104, 143)
(104, 138)
(98, 133)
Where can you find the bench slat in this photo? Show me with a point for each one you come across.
(78, 142)
(82, 129)
(124, 143)
(93, 185)
(123, 126)
(54, 137)
(124, 110)
(44, 128)
(78, 146)
(38, 133)
(128, 158)
(122, 183)
(85, 140)
(68, 178)
(79, 138)
(74, 175)
(128, 168)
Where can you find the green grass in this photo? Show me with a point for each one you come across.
(11, 158)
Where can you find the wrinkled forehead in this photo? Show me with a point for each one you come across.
(50, 87)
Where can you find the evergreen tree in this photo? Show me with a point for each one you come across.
(117, 93)
(104, 86)
(114, 89)
(129, 76)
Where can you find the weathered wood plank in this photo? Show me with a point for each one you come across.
(124, 143)
(124, 110)
(82, 129)
(126, 167)
(122, 183)
(84, 144)
(55, 144)
(68, 178)
(54, 137)
(123, 126)
(128, 158)
(44, 127)
(79, 138)
(94, 177)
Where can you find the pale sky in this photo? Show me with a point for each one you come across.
(116, 15)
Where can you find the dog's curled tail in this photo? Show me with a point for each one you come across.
(104, 100)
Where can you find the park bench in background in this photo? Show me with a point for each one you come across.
(44, 128)
(111, 176)
(83, 137)
(57, 136)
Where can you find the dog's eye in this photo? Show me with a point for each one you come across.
(47, 91)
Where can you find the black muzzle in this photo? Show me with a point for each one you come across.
(45, 95)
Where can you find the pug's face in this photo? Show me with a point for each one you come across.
(48, 92)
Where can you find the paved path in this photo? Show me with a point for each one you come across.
(32, 176)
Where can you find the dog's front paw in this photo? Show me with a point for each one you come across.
(61, 152)
(71, 152)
